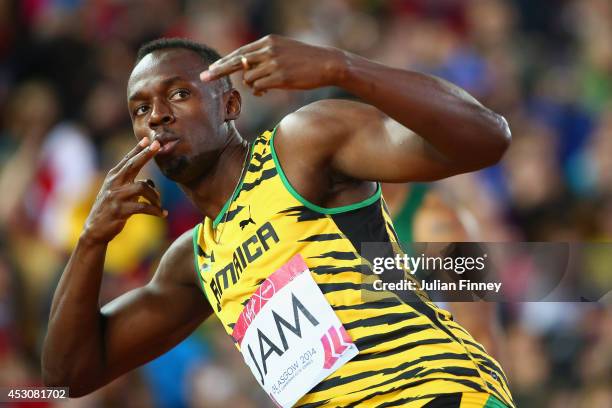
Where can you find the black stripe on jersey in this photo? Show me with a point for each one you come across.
(333, 287)
(490, 368)
(390, 228)
(372, 340)
(384, 319)
(473, 343)
(405, 400)
(365, 225)
(323, 269)
(338, 255)
(461, 329)
(400, 349)
(379, 304)
(411, 299)
(201, 252)
(418, 372)
(262, 160)
(321, 237)
(376, 394)
(314, 404)
(407, 369)
(468, 383)
(265, 175)
(232, 214)
(303, 213)
(340, 381)
(261, 140)
(445, 401)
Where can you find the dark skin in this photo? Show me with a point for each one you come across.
(331, 152)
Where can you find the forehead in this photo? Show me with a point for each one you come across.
(163, 64)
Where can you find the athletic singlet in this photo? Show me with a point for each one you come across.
(408, 351)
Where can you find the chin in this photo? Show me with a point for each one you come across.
(175, 169)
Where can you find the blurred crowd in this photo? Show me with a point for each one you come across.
(546, 66)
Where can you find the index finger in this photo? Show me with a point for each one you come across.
(245, 49)
(132, 166)
(226, 68)
(135, 150)
(231, 62)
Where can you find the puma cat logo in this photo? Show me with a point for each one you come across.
(248, 221)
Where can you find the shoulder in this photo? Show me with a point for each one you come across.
(308, 143)
(323, 124)
(317, 131)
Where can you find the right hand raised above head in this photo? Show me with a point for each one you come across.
(119, 196)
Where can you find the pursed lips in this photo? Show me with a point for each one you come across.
(167, 142)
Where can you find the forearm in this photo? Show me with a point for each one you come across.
(73, 346)
(451, 120)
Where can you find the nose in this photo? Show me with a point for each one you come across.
(161, 115)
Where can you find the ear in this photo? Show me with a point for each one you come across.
(233, 104)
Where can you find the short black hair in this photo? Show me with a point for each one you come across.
(208, 54)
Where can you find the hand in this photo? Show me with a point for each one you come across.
(281, 63)
(119, 196)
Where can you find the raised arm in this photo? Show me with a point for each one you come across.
(414, 127)
(87, 346)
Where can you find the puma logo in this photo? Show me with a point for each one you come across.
(248, 221)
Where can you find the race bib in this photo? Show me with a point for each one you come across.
(289, 335)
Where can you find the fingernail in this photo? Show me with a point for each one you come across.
(206, 75)
(150, 182)
(144, 141)
(155, 145)
(165, 213)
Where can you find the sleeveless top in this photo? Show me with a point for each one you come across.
(408, 350)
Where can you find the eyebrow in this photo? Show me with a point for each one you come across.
(164, 82)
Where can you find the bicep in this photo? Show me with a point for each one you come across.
(361, 142)
(146, 322)
(377, 147)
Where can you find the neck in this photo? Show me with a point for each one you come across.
(211, 192)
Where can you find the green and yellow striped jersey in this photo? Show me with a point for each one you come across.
(409, 351)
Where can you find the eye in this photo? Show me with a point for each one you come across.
(179, 94)
(141, 110)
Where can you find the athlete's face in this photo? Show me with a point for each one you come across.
(168, 102)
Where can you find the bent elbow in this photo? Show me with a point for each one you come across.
(55, 380)
(77, 386)
(499, 140)
(504, 134)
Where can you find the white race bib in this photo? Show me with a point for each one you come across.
(290, 336)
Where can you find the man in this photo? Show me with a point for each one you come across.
(298, 199)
